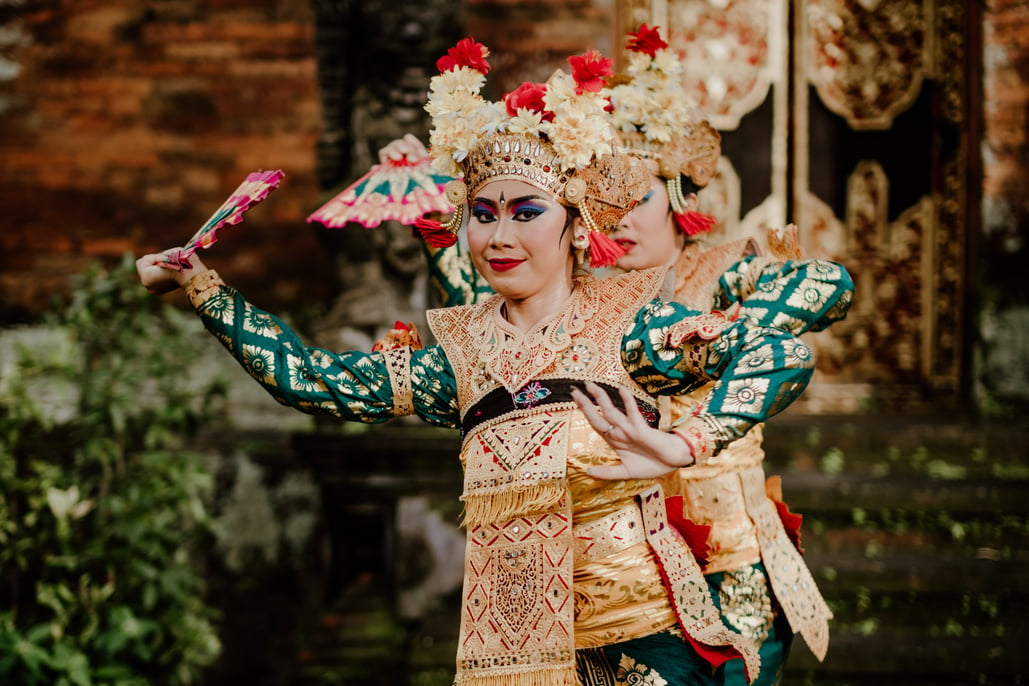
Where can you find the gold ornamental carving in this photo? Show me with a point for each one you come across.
(887, 337)
(951, 57)
(867, 59)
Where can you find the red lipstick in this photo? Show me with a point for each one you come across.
(503, 265)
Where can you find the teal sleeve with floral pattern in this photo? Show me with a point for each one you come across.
(454, 277)
(354, 386)
(758, 370)
(796, 295)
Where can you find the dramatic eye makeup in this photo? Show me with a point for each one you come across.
(484, 211)
(525, 208)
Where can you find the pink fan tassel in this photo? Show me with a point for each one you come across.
(691, 223)
(434, 233)
(604, 252)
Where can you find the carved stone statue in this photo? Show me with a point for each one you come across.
(373, 91)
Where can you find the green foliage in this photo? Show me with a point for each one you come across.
(100, 502)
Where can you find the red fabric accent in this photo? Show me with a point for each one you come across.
(691, 223)
(717, 655)
(791, 521)
(713, 655)
(696, 535)
(434, 233)
(646, 40)
(589, 71)
(467, 53)
(604, 252)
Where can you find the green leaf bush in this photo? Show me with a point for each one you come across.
(102, 514)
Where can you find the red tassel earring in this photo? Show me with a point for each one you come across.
(691, 223)
(440, 235)
(436, 234)
(604, 252)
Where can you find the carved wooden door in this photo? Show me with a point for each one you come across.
(854, 119)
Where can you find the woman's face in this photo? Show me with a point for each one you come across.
(648, 233)
(518, 241)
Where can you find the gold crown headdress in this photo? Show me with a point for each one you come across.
(557, 136)
(659, 124)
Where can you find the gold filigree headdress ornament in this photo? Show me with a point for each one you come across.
(557, 136)
(660, 125)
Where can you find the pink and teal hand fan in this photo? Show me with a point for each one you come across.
(400, 191)
(253, 190)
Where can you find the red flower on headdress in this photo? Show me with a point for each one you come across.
(646, 40)
(589, 71)
(467, 53)
(528, 96)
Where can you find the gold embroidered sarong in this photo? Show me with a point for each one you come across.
(517, 622)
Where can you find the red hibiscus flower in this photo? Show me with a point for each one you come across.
(528, 96)
(646, 40)
(467, 53)
(589, 71)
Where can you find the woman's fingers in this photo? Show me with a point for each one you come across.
(599, 424)
(612, 416)
(409, 146)
(158, 277)
(611, 472)
(632, 410)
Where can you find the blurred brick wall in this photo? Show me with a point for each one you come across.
(124, 124)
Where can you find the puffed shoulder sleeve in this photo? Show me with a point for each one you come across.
(758, 370)
(355, 386)
(794, 295)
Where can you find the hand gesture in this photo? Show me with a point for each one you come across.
(646, 452)
(158, 277)
(408, 147)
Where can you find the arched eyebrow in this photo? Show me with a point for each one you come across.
(517, 201)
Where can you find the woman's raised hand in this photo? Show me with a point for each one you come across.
(408, 147)
(646, 452)
(158, 279)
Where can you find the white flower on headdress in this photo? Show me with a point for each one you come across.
(526, 122)
(578, 136)
(639, 62)
(560, 89)
(654, 101)
(581, 129)
(460, 79)
(494, 118)
(667, 61)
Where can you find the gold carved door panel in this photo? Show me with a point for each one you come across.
(851, 119)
